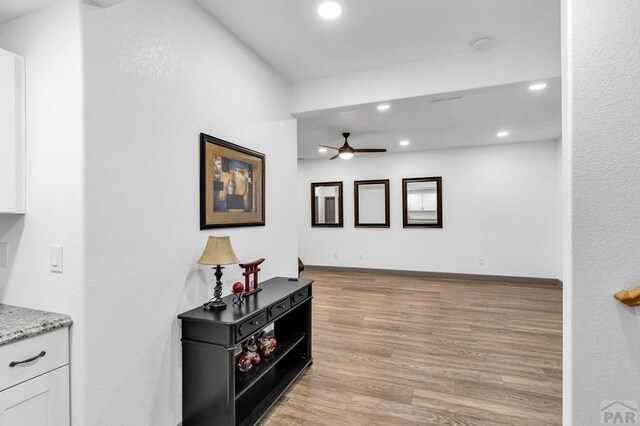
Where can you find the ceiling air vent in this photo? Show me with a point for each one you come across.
(455, 98)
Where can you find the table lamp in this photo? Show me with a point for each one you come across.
(217, 252)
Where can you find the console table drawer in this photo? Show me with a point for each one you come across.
(279, 308)
(299, 296)
(249, 326)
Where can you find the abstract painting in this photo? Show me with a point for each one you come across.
(231, 184)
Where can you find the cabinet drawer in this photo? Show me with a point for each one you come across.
(279, 308)
(252, 324)
(299, 296)
(55, 346)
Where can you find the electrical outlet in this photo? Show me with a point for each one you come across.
(481, 261)
(4, 255)
(335, 255)
(361, 257)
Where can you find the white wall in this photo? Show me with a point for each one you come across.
(500, 203)
(157, 74)
(601, 109)
(50, 42)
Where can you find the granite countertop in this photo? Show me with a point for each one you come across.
(18, 323)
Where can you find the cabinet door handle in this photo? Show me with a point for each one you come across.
(40, 355)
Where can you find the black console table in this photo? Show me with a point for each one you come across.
(213, 391)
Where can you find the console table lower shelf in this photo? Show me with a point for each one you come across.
(214, 391)
(250, 409)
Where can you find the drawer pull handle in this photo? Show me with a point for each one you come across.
(40, 355)
(300, 294)
(250, 323)
(280, 306)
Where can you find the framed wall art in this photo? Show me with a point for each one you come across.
(232, 182)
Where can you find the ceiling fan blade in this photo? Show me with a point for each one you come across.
(334, 157)
(370, 150)
(327, 146)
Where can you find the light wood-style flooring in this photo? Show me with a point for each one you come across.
(398, 350)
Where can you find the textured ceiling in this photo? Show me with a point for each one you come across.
(290, 36)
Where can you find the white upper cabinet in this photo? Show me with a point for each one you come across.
(12, 133)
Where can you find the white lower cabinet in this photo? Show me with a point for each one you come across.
(34, 381)
(41, 401)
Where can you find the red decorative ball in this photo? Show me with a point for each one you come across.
(238, 287)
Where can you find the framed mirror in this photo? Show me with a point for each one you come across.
(326, 205)
(371, 203)
(422, 202)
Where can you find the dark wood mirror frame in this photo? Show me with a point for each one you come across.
(405, 213)
(340, 212)
(387, 220)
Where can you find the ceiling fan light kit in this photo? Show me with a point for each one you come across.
(346, 155)
(346, 152)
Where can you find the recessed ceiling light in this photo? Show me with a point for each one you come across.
(329, 10)
(503, 134)
(538, 86)
(322, 150)
(383, 107)
(404, 143)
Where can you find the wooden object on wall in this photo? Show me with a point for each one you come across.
(319, 220)
(251, 269)
(232, 184)
(359, 223)
(629, 298)
(407, 208)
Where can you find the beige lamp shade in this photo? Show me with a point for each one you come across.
(218, 252)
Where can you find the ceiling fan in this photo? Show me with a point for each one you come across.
(346, 152)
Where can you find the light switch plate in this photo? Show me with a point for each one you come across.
(56, 259)
(4, 255)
